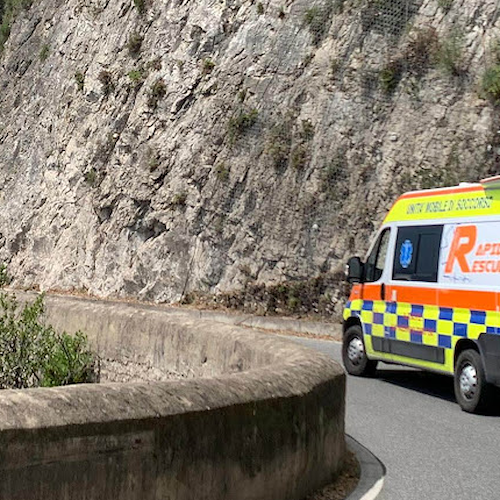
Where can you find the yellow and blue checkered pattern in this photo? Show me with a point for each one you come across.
(431, 325)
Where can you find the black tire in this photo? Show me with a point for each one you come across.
(359, 365)
(474, 394)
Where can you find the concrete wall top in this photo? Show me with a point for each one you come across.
(251, 365)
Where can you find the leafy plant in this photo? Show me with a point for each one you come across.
(33, 354)
(299, 157)
(154, 64)
(421, 50)
(69, 361)
(44, 53)
(242, 94)
(450, 53)
(307, 132)
(490, 83)
(106, 80)
(137, 77)
(80, 80)
(9, 9)
(134, 43)
(157, 91)
(5, 278)
(91, 177)
(278, 144)
(390, 76)
(140, 5)
(179, 200)
(240, 123)
(222, 172)
(317, 19)
(207, 66)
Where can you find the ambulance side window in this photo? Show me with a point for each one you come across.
(375, 263)
(417, 253)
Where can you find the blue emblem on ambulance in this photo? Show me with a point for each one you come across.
(406, 254)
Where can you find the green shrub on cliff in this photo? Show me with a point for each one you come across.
(240, 122)
(33, 354)
(490, 84)
(8, 11)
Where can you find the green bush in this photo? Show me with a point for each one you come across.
(134, 43)
(33, 354)
(207, 67)
(390, 76)
(179, 200)
(137, 77)
(80, 80)
(106, 80)
(240, 123)
(44, 53)
(317, 19)
(298, 157)
(421, 51)
(278, 144)
(5, 279)
(91, 177)
(490, 84)
(449, 56)
(222, 172)
(8, 12)
(157, 91)
(140, 5)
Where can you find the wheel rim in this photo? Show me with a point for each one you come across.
(356, 351)
(468, 381)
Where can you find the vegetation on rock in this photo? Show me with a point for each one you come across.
(8, 11)
(240, 123)
(319, 296)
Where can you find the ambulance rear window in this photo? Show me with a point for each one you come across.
(417, 253)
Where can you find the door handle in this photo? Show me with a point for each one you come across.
(382, 291)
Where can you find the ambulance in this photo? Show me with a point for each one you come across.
(428, 292)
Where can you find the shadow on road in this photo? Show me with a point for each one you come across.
(424, 382)
(432, 384)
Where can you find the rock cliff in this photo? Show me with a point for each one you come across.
(151, 149)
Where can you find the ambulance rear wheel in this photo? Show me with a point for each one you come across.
(471, 389)
(354, 354)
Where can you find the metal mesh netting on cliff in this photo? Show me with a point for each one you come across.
(357, 104)
(242, 149)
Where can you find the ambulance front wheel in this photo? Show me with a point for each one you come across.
(471, 389)
(354, 353)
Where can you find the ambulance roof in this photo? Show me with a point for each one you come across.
(462, 201)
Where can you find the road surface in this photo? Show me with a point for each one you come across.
(410, 421)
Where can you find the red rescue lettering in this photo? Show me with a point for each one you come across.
(462, 244)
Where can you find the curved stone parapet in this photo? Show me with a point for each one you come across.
(258, 417)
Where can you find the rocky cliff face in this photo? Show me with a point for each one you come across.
(150, 148)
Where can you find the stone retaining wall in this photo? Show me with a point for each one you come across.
(263, 419)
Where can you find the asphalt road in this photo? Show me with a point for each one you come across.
(410, 421)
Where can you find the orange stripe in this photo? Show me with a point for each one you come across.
(482, 301)
(466, 299)
(413, 295)
(371, 291)
(432, 296)
(434, 192)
